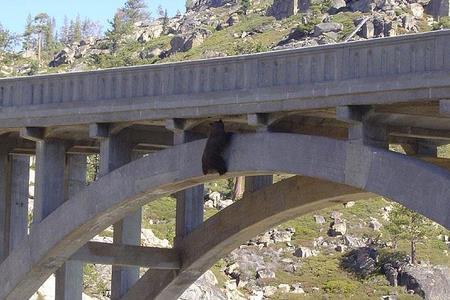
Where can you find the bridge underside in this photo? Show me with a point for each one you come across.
(352, 167)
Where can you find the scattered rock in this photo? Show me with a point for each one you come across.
(416, 9)
(297, 289)
(282, 236)
(284, 288)
(375, 224)
(319, 219)
(353, 242)
(338, 227)
(349, 204)
(264, 274)
(224, 203)
(269, 291)
(336, 215)
(327, 27)
(149, 239)
(150, 53)
(304, 252)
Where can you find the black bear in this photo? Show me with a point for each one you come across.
(217, 141)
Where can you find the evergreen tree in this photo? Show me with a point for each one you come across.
(7, 39)
(27, 37)
(136, 11)
(407, 224)
(245, 6)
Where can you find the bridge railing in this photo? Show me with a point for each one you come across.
(407, 54)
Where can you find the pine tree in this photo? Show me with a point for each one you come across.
(27, 37)
(245, 6)
(136, 11)
(407, 224)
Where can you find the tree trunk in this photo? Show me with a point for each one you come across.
(238, 189)
(413, 251)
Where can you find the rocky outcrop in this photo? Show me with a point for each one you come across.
(361, 261)
(431, 283)
(204, 288)
(205, 4)
(283, 9)
(63, 57)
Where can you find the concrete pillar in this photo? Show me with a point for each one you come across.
(375, 135)
(115, 151)
(50, 171)
(254, 183)
(439, 8)
(4, 211)
(69, 278)
(20, 179)
(190, 202)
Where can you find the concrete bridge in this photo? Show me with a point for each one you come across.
(326, 114)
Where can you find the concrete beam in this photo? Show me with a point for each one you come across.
(254, 183)
(127, 255)
(35, 134)
(420, 133)
(99, 130)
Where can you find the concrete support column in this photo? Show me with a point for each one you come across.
(190, 202)
(4, 211)
(115, 151)
(19, 193)
(69, 278)
(50, 178)
(261, 123)
(361, 130)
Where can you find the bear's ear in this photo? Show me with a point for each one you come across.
(220, 121)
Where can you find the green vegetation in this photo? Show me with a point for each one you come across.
(443, 23)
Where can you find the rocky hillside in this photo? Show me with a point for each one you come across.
(343, 252)
(213, 28)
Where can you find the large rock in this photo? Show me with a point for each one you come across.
(265, 274)
(319, 219)
(283, 9)
(322, 28)
(304, 252)
(416, 9)
(149, 239)
(182, 43)
(338, 227)
(63, 57)
(429, 283)
(361, 261)
(205, 4)
(204, 288)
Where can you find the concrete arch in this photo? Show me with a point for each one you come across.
(263, 209)
(403, 179)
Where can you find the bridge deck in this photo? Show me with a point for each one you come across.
(411, 68)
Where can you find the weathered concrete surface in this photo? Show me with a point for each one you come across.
(69, 278)
(395, 176)
(263, 209)
(127, 255)
(115, 151)
(20, 174)
(407, 68)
